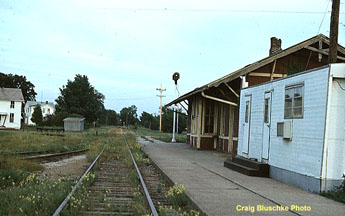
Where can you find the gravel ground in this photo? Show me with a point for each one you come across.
(70, 168)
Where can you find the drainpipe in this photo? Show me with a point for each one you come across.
(218, 99)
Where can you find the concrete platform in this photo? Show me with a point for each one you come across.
(220, 191)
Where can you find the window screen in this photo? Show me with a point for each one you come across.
(293, 107)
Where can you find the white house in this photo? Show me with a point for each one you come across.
(10, 108)
(296, 125)
(47, 108)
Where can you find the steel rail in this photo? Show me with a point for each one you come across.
(62, 205)
(37, 157)
(148, 197)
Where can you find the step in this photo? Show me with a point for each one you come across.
(242, 169)
(247, 162)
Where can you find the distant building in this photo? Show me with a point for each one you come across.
(47, 108)
(74, 124)
(10, 108)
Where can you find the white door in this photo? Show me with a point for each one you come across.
(267, 125)
(246, 124)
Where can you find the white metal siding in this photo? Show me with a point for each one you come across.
(304, 153)
(334, 153)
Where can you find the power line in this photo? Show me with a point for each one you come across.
(318, 31)
(215, 10)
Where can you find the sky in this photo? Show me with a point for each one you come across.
(129, 48)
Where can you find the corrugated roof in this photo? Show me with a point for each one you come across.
(11, 94)
(74, 119)
(251, 67)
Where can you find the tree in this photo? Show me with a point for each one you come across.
(128, 115)
(80, 97)
(167, 120)
(109, 117)
(149, 121)
(16, 81)
(37, 117)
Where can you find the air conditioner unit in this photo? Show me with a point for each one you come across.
(287, 130)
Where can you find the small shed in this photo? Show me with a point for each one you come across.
(74, 124)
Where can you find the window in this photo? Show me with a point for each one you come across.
(247, 112)
(293, 107)
(11, 117)
(209, 116)
(266, 114)
(280, 129)
(223, 110)
(12, 104)
(195, 115)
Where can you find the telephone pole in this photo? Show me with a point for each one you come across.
(333, 33)
(161, 95)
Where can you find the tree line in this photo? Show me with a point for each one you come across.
(78, 98)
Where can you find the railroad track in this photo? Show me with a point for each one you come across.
(113, 193)
(54, 156)
(42, 156)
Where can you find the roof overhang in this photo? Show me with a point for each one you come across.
(251, 67)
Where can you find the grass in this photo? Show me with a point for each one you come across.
(21, 191)
(24, 141)
(337, 194)
(162, 136)
(33, 197)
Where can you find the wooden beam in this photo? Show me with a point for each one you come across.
(183, 107)
(232, 90)
(266, 75)
(218, 99)
(323, 52)
(273, 69)
(320, 47)
(221, 91)
(339, 48)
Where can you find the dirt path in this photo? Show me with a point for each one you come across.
(70, 168)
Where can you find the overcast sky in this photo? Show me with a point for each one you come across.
(128, 48)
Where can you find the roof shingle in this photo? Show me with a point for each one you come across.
(11, 94)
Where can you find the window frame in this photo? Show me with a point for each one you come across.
(11, 118)
(293, 87)
(210, 117)
(222, 115)
(267, 105)
(246, 115)
(12, 104)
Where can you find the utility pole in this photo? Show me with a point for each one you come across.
(333, 33)
(161, 95)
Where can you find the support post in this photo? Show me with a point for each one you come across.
(161, 95)
(333, 33)
(174, 118)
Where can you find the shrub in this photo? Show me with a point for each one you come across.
(177, 195)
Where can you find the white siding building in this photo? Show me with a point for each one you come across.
(46, 107)
(296, 125)
(10, 108)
